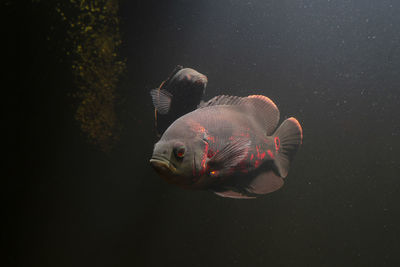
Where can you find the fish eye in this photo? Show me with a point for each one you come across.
(179, 150)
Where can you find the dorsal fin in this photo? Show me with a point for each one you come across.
(265, 110)
(260, 107)
(222, 100)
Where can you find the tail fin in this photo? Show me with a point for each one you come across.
(288, 138)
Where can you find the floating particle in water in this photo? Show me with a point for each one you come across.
(94, 36)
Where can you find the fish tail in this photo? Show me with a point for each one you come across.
(287, 140)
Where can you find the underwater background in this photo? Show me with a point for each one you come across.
(79, 190)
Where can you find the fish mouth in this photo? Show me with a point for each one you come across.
(162, 165)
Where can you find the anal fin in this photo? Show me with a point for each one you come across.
(265, 183)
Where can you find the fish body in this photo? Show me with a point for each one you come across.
(229, 145)
(181, 93)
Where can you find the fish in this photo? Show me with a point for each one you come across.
(179, 94)
(231, 146)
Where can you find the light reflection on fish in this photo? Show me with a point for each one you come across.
(229, 145)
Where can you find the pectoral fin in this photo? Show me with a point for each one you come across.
(228, 157)
(161, 100)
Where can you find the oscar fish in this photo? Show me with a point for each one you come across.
(179, 94)
(229, 145)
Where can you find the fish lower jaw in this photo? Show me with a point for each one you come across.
(159, 163)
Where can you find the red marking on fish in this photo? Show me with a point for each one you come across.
(262, 156)
(211, 138)
(245, 134)
(277, 143)
(203, 160)
(197, 127)
(251, 157)
(271, 155)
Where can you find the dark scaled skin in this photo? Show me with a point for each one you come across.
(202, 134)
(187, 87)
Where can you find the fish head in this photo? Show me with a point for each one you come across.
(177, 161)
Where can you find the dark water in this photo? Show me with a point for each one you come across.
(334, 65)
